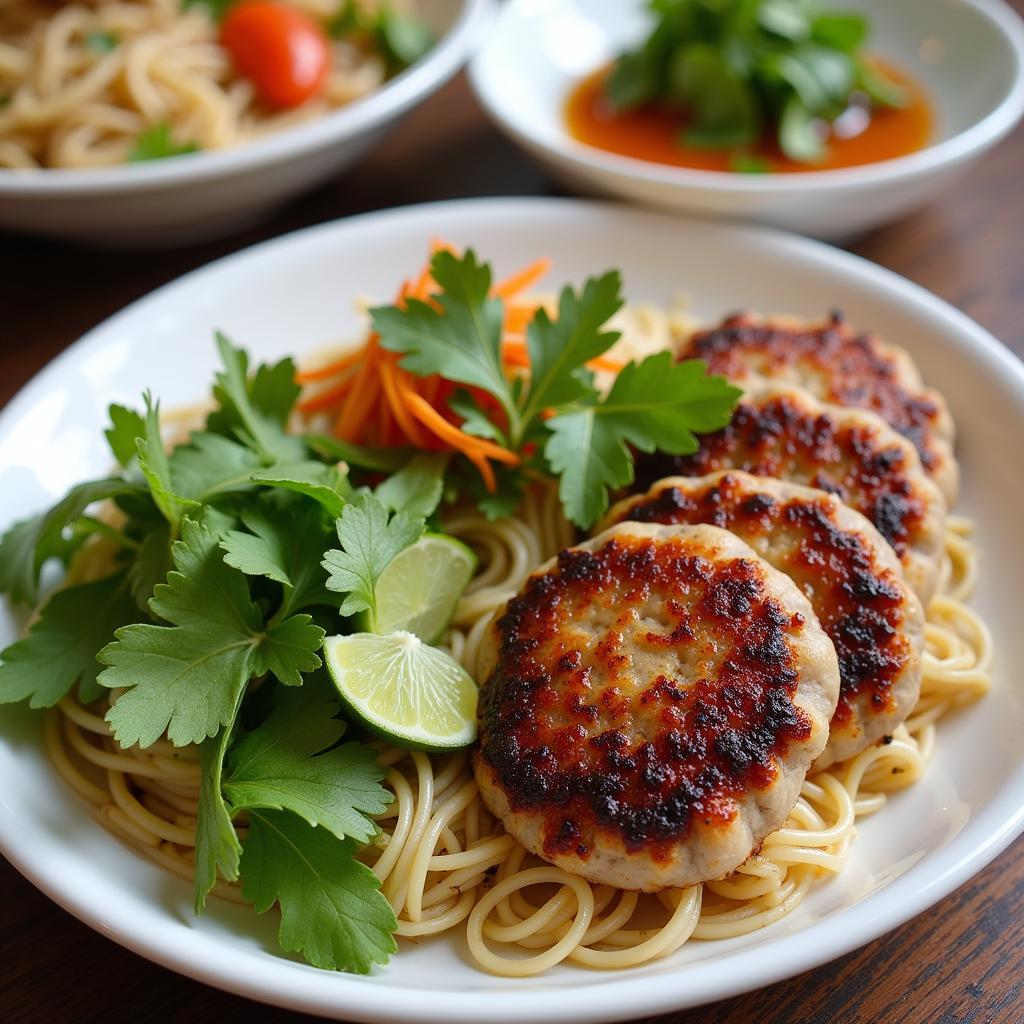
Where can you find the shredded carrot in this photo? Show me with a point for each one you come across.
(376, 401)
(330, 370)
(523, 279)
(328, 397)
(606, 364)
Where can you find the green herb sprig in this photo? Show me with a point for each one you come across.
(740, 68)
(557, 420)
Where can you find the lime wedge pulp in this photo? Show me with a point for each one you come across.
(420, 587)
(403, 689)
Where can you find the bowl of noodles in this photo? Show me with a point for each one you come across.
(474, 513)
(151, 122)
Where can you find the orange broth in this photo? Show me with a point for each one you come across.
(654, 133)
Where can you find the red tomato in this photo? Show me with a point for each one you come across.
(282, 51)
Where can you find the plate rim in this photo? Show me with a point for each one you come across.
(613, 996)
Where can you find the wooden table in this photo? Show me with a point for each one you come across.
(960, 963)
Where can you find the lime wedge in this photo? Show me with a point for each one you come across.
(403, 689)
(420, 588)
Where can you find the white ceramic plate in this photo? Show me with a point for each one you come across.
(205, 195)
(293, 294)
(969, 54)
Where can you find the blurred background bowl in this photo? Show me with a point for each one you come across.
(204, 195)
(968, 54)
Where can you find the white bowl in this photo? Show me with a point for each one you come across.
(969, 54)
(291, 294)
(201, 196)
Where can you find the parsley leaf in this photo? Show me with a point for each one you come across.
(151, 565)
(126, 426)
(157, 469)
(217, 847)
(369, 540)
(461, 340)
(29, 544)
(156, 143)
(559, 348)
(256, 409)
(186, 678)
(284, 544)
(210, 466)
(215, 8)
(332, 909)
(323, 483)
(274, 767)
(60, 648)
(657, 404)
(416, 488)
(380, 460)
(100, 42)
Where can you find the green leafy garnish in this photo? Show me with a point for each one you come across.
(739, 68)
(156, 143)
(399, 37)
(656, 405)
(332, 910)
(60, 648)
(416, 489)
(100, 42)
(556, 419)
(369, 538)
(293, 762)
(185, 679)
(215, 8)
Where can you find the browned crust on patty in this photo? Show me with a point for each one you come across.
(844, 567)
(641, 699)
(852, 453)
(839, 365)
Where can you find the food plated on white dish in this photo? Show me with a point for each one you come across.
(147, 122)
(439, 529)
(826, 119)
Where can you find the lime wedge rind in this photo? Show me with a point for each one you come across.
(404, 690)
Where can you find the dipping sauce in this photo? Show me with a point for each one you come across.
(656, 134)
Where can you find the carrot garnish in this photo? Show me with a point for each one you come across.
(523, 279)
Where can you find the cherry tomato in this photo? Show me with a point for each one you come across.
(283, 52)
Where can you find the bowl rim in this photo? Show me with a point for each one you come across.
(373, 110)
(974, 139)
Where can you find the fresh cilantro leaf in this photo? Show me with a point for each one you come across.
(284, 544)
(218, 850)
(28, 544)
(215, 8)
(186, 678)
(840, 30)
(474, 420)
(657, 404)
(156, 143)
(157, 470)
(369, 540)
(416, 488)
(462, 339)
(210, 466)
(101, 43)
(799, 134)
(126, 426)
(381, 460)
(60, 648)
(289, 649)
(292, 762)
(881, 90)
(560, 348)
(316, 480)
(256, 409)
(746, 163)
(332, 909)
(151, 565)
(403, 38)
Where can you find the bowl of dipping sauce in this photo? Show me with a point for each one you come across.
(828, 122)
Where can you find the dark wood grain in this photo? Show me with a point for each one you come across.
(960, 963)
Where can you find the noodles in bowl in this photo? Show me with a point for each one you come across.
(443, 858)
(98, 83)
